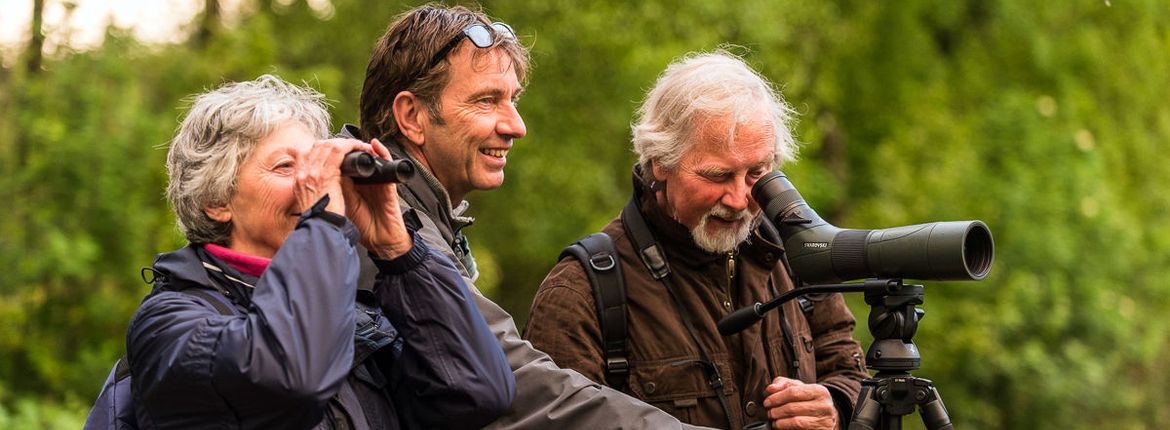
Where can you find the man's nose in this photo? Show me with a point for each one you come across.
(511, 124)
(737, 196)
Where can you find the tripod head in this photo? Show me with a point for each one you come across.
(893, 320)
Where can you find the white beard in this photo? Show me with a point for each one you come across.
(725, 240)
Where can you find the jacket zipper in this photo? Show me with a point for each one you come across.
(730, 279)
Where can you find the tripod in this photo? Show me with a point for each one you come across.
(893, 392)
(893, 319)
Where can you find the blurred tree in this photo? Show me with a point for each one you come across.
(208, 23)
(1047, 121)
(36, 44)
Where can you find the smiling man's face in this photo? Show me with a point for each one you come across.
(467, 150)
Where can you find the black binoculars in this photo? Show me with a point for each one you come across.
(365, 168)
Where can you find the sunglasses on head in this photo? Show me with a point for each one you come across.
(480, 35)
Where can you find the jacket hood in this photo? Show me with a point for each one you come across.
(182, 265)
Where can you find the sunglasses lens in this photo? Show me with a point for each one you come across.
(503, 30)
(479, 35)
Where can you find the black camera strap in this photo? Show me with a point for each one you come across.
(654, 258)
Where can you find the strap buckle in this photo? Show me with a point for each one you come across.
(602, 262)
(617, 365)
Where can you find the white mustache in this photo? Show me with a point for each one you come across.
(727, 213)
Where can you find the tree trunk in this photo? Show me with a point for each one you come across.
(33, 54)
(208, 23)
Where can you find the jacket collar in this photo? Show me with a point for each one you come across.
(182, 265)
(192, 265)
(680, 246)
(423, 191)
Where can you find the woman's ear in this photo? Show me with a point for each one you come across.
(220, 213)
(408, 114)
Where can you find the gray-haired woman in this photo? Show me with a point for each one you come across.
(258, 322)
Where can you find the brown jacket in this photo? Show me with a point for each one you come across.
(564, 324)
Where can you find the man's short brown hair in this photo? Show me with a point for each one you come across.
(402, 54)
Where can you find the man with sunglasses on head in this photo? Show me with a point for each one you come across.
(441, 90)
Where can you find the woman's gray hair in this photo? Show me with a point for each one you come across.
(217, 135)
(705, 87)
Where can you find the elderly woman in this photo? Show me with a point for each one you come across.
(258, 322)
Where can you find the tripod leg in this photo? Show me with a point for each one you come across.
(868, 411)
(934, 413)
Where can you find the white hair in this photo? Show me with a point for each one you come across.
(704, 87)
(217, 135)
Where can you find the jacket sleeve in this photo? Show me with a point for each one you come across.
(563, 321)
(279, 363)
(547, 396)
(840, 366)
(451, 372)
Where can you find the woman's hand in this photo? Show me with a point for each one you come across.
(319, 173)
(373, 208)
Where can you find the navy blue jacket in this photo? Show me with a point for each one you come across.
(425, 358)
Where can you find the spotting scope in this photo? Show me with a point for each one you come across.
(819, 252)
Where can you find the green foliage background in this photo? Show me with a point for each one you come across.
(1047, 120)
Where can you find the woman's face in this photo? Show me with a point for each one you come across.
(264, 210)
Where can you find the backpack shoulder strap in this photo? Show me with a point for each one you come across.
(598, 257)
(219, 305)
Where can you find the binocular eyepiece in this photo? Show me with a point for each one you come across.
(820, 252)
(365, 168)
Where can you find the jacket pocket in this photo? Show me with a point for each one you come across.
(680, 386)
(781, 354)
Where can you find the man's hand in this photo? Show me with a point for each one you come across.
(792, 404)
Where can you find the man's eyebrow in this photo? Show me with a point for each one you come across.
(712, 171)
(494, 92)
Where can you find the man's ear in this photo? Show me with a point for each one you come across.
(408, 114)
(219, 213)
(658, 171)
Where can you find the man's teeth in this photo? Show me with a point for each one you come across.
(498, 153)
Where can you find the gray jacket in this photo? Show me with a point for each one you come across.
(547, 396)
